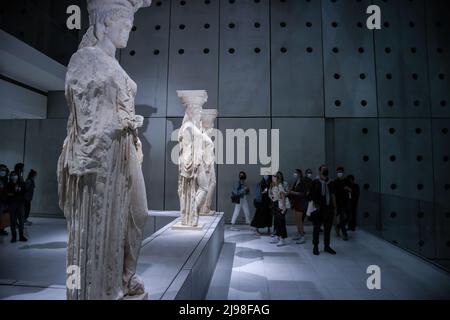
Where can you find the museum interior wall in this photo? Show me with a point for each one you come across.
(376, 103)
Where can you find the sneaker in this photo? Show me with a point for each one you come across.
(329, 250)
(297, 237)
(316, 250)
(28, 223)
(281, 243)
(274, 240)
(301, 240)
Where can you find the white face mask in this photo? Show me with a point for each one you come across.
(2, 173)
(340, 174)
(295, 175)
(309, 175)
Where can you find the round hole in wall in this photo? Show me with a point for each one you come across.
(413, 50)
(181, 27)
(443, 103)
(337, 76)
(365, 130)
(420, 186)
(336, 50)
(181, 51)
(361, 50)
(393, 214)
(206, 26)
(445, 158)
(416, 103)
(418, 130)
(391, 130)
(231, 51)
(231, 25)
(359, 24)
(440, 50)
(441, 76)
(206, 51)
(392, 158)
(309, 49)
(134, 28)
(366, 186)
(308, 24)
(421, 243)
(386, 24)
(257, 50)
(447, 187)
(412, 24)
(393, 186)
(283, 24)
(334, 24)
(366, 215)
(447, 215)
(365, 158)
(182, 3)
(389, 76)
(132, 53)
(257, 25)
(448, 244)
(415, 76)
(420, 214)
(419, 158)
(362, 76)
(159, 4)
(364, 103)
(157, 27)
(337, 103)
(156, 52)
(387, 50)
(444, 130)
(390, 103)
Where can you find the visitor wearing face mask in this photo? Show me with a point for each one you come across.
(16, 200)
(298, 196)
(354, 203)
(343, 192)
(18, 169)
(240, 192)
(277, 195)
(4, 221)
(324, 200)
(29, 186)
(263, 216)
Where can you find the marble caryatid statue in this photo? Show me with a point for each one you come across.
(208, 117)
(100, 182)
(192, 177)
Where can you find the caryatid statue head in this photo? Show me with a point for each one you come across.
(208, 118)
(193, 101)
(112, 19)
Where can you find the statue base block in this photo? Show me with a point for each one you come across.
(211, 213)
(179, 226)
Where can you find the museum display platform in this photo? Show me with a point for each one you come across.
(174, 264)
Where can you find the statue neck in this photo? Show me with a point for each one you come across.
(107, 46)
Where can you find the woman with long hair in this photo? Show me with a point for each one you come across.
(298, 196)
(277, 195)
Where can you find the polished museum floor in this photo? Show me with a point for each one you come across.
(249, 267)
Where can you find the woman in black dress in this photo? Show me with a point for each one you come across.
(263, 215)
(298, 196)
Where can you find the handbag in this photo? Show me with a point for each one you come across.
(311, 208)
(235, 199)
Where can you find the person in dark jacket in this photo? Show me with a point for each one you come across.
(322, 194)
(16, 203)
(29, 187)
(263, 214)
(354, 203)
(298, 196)
(342, 191)
(241, 190)
(4, 172)
(18, 169)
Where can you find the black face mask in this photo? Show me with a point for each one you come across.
(325, 172)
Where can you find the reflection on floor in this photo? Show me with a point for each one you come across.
(251, 268)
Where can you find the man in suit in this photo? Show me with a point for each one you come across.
(322, 194)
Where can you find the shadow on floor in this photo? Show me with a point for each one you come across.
(47, 245)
